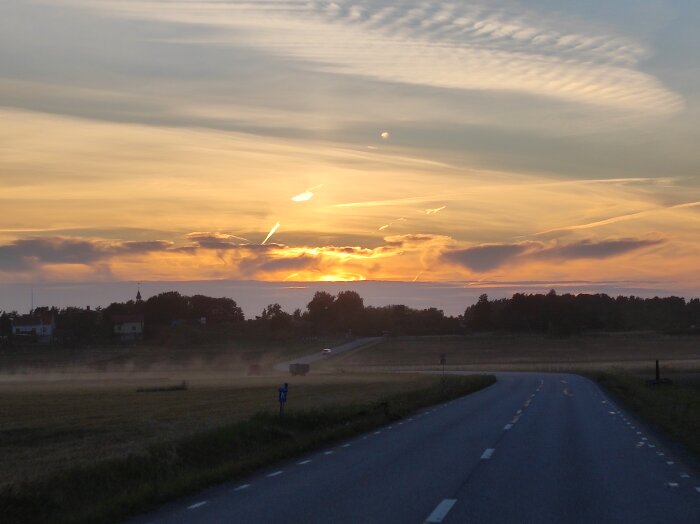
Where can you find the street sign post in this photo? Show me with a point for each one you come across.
(282, 396)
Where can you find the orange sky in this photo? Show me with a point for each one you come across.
(461, 142)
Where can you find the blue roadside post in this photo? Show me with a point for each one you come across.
(282, 396)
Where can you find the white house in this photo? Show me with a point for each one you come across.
(128, 327)
(41, 326)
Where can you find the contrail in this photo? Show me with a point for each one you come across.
(272, 232)
(433, 211)
(619, 218)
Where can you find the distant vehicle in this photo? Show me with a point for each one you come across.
(326, 351)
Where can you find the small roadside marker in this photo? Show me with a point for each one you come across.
(198, 504)
(487, 454)
(440, 512)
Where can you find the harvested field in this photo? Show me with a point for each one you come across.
(47, 425)
(629, 351)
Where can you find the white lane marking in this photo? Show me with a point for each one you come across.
(328, 452)
(410, 419)
(670, 462)
(697, 489)
(346, 445)
(303, 462)
(639, 432)
(198, 504)
(400, 424)
(659, 453)
(673, 484)
(644, 438)
(685, 476)
(652, 446)
(612, 412)
(441, 511)
(275, 473)
(364, 438)
(390, 427)
(508, 426)
(377, 432)
(242, 487)
(487, 453)
(519, 411)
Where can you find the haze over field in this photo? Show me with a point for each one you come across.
(507, 144)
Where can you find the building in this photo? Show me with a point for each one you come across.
(38, 327)
(128, 327)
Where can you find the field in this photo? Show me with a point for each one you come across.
(596, 352)
(46, 425)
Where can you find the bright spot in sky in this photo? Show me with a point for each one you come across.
(272, 232)
(306, 195)
(385, 135)
(303, 197)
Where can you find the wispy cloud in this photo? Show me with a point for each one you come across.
(446, 44)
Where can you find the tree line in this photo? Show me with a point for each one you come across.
(563, 315)
(171, 318)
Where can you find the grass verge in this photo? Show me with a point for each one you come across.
(110, 490)
(673, 408)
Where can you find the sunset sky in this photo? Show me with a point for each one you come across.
(496, 143)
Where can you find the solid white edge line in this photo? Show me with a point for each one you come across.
(487, 453)
(275, 473)
(441, 511)
(198, 504)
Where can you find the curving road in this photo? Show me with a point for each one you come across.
(532, 448)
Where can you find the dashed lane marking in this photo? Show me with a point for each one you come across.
(670, 462)
(275, 473)
(328, 452)
(244, 486)
(377, 432)
(198, 504)
(685, 476)
(507, 426)
(519, 411)
(697, 489)
(672, 484)
(346, 445)
(440, 512)
(487, 453)
(303, 462)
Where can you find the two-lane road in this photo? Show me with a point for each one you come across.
(530, 448)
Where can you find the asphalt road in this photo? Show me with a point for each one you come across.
(320, 355)
(532, 448)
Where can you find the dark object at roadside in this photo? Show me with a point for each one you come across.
(254, 370)
(182, 386)
(658, 380)
(299, 369)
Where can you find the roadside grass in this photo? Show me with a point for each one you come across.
(672, 408)
(112, 489)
